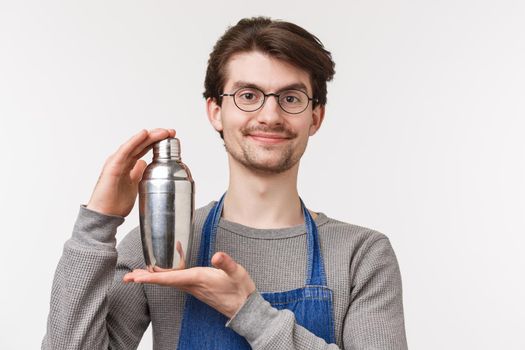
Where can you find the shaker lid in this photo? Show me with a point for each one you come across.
(167, 149)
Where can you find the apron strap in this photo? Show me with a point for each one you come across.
(209, 232)
(315, 267)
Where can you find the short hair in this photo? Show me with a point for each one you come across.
(279, 39)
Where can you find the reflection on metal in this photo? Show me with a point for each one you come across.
(166, 208)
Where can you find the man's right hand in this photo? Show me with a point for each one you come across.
(117, 185)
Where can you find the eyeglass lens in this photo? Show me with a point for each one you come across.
(251, 99)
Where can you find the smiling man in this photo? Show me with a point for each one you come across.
(276, 275)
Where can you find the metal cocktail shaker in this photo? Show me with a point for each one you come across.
(166, 207)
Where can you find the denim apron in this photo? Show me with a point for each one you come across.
(204, 327)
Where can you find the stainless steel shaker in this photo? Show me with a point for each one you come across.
(166, 208)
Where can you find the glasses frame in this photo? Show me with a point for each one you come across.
(268, 95)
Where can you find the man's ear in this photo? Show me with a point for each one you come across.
(214, 113)
(317, 119)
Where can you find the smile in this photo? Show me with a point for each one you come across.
(268, 138)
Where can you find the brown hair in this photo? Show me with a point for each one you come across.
(279, 39)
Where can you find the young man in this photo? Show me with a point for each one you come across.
(282, 276)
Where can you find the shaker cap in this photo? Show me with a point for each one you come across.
(167, 149)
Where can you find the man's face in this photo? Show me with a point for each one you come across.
(268, 140)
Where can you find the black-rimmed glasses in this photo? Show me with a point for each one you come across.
(250, 99)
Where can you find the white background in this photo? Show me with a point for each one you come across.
(423, 140)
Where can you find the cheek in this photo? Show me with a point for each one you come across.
(232, 120)
(305, 129)
(231, 128)
(232, 131)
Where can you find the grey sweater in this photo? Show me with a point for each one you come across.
(91, 308)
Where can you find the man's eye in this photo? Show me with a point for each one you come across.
(292, 98)
(247, 96)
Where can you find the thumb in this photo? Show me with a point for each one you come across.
(138, 170)
(224, 262)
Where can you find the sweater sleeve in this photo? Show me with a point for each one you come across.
(265, 327)
(375, 317)
(374, 320)
(90, 305)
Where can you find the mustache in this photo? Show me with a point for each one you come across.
(280, 130)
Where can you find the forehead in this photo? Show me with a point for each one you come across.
(264, 71)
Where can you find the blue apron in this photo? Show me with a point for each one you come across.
(203, 327)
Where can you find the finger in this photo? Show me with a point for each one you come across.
(139, 143)
(155, 135)
(138, 170)
(148, 145)
(175, 278)
(127, 148)
(182, 260)
(224, 262)
(160, 278)
(131, 276)
(144, 151)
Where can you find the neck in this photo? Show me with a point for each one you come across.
(263, 200)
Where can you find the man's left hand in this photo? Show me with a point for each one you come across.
(225, 287)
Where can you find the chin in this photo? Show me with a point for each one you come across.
(269, 167)
(269, 170)
(265, 159)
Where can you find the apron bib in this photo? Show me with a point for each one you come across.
(203, 327)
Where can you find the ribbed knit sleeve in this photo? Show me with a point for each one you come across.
(91, 308)
(265, 327)
(375, 317)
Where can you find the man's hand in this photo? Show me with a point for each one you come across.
(117, 185)
(225, 287)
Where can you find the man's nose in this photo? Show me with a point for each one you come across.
(270, 112)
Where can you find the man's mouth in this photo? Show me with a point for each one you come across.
(268, 138)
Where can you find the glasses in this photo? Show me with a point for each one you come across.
(250, 99)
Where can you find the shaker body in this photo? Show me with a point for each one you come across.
(166, 212)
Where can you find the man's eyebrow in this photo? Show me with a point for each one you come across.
(245, 84)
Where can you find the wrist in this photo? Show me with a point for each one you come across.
(256, 320)
(96, 230)
(239, 305)
(102, 210)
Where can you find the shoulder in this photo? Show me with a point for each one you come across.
(362, 249)
(352, 241)
(202, 212)
(200, 216)
(331, 229)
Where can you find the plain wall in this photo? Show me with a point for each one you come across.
(422, 140)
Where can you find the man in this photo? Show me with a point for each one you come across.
(282, 276)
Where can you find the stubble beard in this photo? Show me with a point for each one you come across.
(250, 156)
